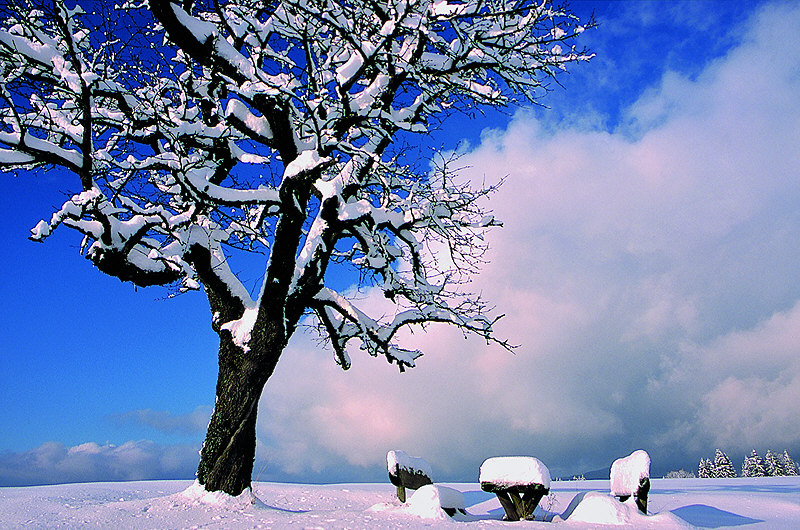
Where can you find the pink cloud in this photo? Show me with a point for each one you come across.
(627, 262)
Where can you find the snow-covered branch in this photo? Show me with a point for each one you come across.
(343, 321)
(200, 129)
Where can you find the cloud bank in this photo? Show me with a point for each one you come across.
(54, 463)
(648, 273)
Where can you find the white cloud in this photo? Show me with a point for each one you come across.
(627, 262)
(54, 463)
(746, 384)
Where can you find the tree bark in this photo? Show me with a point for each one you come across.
(228, 454)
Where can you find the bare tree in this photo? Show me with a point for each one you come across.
(202, 130)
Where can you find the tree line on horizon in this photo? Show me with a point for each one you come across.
(772, 465)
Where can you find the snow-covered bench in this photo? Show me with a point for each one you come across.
(519, 482)
(631, 476)
(405, 471)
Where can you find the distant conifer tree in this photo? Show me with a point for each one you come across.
(773, 464)
(705, 469)
(723, 468)
(753, 466)
(789, 467)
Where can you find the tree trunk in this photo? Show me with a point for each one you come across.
(228, 454)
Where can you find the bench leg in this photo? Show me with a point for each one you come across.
(527, 505)
(401, 493)
(508, 505)
(641, 502)
(518, 508)
(641, 494)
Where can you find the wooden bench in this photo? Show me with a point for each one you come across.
(405, 471)
(630, 476)
(519, 482)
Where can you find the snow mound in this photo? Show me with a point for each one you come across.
(197, 494)
(599, 508)
(440, 495)
(627, 473)
(595, 508)
(515, 471)
(428, 502)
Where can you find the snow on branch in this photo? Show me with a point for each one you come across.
(343, 321)
(201, 129)
(152, 165)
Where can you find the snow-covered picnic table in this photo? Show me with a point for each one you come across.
(519, 482)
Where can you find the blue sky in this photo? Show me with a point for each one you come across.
(648, 268)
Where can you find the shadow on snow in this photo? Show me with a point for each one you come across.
(704, 516)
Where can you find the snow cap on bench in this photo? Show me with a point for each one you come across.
(510, 471)
(396, 460)
(628, 473)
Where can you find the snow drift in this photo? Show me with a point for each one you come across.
(705, 503)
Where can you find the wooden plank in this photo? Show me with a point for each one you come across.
(403, 478)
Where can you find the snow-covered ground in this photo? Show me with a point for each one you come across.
(674, 503)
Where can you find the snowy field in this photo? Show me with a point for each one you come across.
(674, 503)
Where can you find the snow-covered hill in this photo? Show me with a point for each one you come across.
(745, 503)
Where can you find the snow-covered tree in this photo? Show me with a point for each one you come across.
(705, 469)
(198, 131)
(773, 464)
(789, 466)
(753, 465)
(723, 468)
